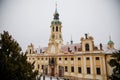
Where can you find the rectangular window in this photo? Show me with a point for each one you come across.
(79, 70)
(88, 70)
(66, 69)
(38, 66)
(65, 58)
(98, 71)
(72, 69)
(87, 58)
(79, 58)
(42, 66)
(72, 58)
(97, 58)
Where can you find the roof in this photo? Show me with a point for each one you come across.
(76, 47)
(110, 42)
(107, 50)
(55, 22)
(71, 47)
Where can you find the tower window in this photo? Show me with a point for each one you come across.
(87, 48)
(56, 28)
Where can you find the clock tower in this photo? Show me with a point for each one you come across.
(55, 41)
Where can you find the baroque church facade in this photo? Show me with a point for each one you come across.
(74, 61)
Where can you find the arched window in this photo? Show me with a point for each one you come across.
(56, 28)
(87, 48)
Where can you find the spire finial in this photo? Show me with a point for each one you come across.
(56, 15)
(71, 40)
(86, 35)
(56, 4)
(56, 7)
(110, 37)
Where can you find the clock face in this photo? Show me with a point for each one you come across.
(52, 49)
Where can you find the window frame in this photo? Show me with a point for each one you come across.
(87, 47)
(72, 68)
(97, 58)
(79, 70)
(88, 70)
(79, 58)
(57, 29)
(72, 58)
(87, 58)
(66, 69)
(98, 71)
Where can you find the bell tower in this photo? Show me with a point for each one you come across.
(55, 41)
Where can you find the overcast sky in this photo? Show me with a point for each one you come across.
(28, 21)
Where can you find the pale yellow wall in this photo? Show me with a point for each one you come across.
(83, 63)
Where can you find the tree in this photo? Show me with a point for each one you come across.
(13, 63)
(115, 63)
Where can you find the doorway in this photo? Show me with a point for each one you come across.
(52, 71)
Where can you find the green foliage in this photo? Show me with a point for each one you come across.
(13, 63)
(115, 63)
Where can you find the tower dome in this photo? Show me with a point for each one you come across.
(56, 17)
(110, 43)
(56, 14)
